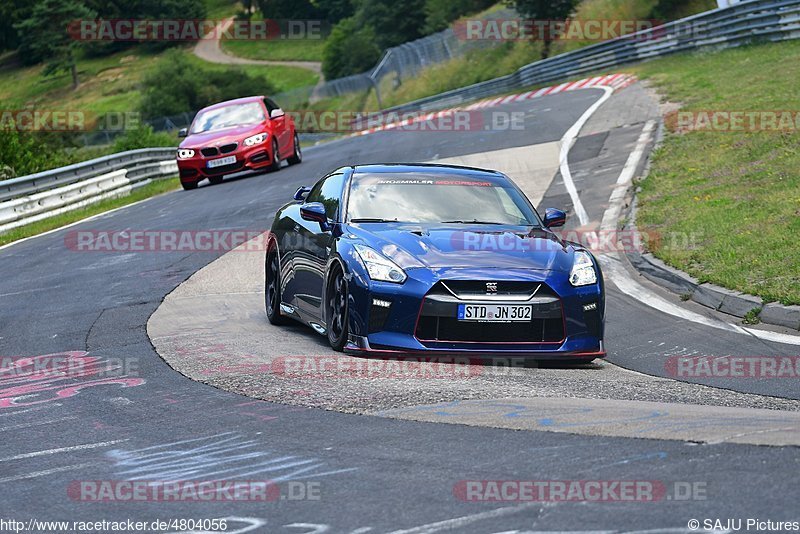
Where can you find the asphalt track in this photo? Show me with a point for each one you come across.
(375, 474)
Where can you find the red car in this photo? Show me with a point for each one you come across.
(246, 133)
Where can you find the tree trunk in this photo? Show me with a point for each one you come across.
(546, 48)
(73, 69)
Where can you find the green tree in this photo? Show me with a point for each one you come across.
(288, 9)
(334, 10)
(544, 10)
(11, 13)
(393, 22)
(177, 85)
(45, 35)
(349, 49)
(440, 13)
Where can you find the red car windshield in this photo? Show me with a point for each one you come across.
(228, 116)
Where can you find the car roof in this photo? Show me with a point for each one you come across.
(235, 101)
(428, 168)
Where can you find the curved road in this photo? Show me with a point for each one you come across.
(122, 414)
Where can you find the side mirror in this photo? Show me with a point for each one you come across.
(301, 193)
(276, 113)
(183, 132)
(315, 211)
(554, 217)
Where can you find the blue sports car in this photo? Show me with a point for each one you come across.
(432, 259)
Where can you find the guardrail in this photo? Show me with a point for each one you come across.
(743, 23)
(30, 198)
(37, 196)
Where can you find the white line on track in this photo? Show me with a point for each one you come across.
(611, 216)
(566, 145)
(613, 265)
(35, 423)
(62, 449)
(46, 472)
(17, 242)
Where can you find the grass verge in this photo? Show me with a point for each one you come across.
(276, 49)
(737, 192)
(152, 189)
(113, 83)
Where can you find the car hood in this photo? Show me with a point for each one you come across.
(221, 137)
(467, 246)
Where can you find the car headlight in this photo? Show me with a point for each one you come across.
(583, 272)
(184, 153)
(255, 139)
(379, 267)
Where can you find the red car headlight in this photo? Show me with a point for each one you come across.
(184, 153)
(256, 139)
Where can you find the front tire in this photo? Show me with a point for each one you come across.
(297, 157)
(216, 180)
(272, 289)
(188, 186)
(276, 157)
(337, 310)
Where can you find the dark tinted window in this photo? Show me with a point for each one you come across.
(433, 198)
(328, 191)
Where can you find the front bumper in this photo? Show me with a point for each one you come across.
(570, 319)
(247, 158)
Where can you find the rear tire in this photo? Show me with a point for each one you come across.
(297, 156)
(272, 289)
(276, 157)
(188, 186)
(216, 180)
(336, 310)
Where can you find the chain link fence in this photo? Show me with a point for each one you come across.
(396, 65)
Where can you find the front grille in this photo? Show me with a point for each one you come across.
(209, 151)
(451, 329)
(224, 169)
(438, 318)
(478, 289)
(227, 149)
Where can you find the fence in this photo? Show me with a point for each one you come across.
(34, 197)
(37, 196)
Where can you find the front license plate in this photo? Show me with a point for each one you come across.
(221, 161)
(494, 313)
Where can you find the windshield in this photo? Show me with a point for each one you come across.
(436, 198)
(227, 116)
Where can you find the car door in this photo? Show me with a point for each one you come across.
(311, 256)
(280, 127)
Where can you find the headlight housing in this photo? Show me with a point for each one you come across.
(583, 272)
(256, 139)
(184, 153)
(379, 267)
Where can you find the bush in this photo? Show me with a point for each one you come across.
(143, 137)
(349, 49)
(24, 153)
(178, 85)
